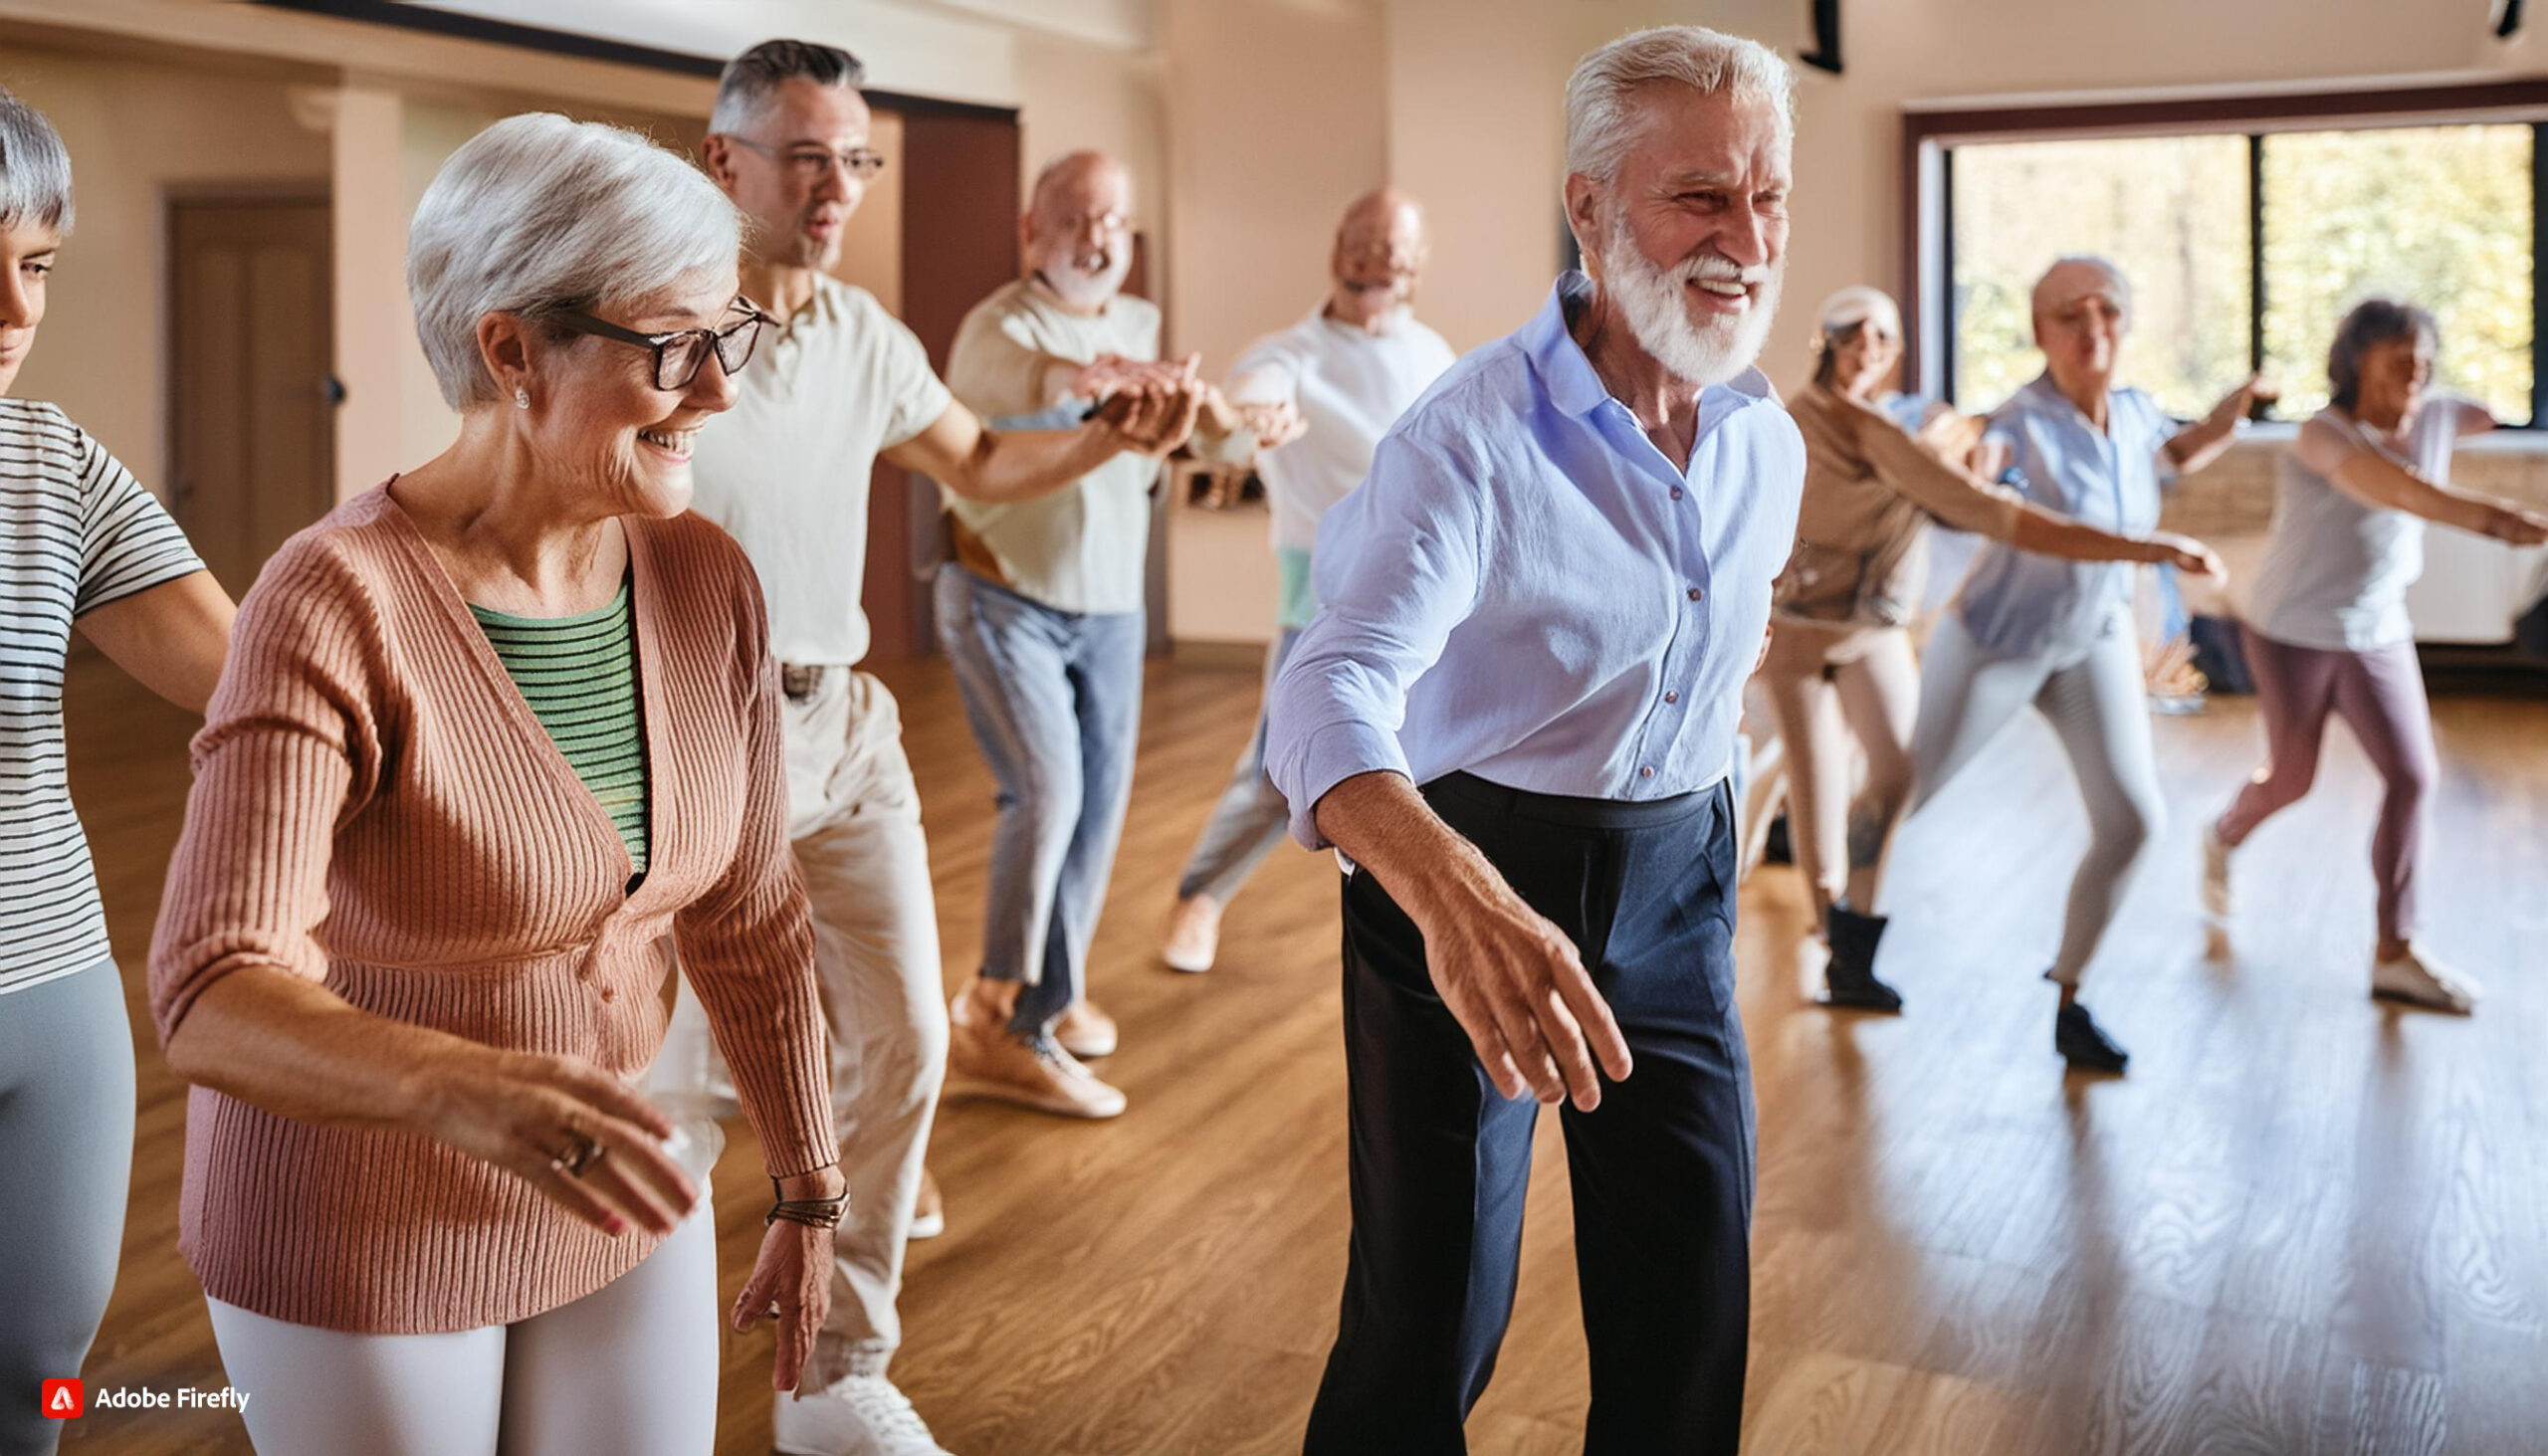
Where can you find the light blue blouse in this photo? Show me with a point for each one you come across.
(2015, 603)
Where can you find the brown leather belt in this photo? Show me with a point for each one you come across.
(801, 681)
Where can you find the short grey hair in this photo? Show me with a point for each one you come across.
(2368, 325)
(538, 214)
(749, 81)
(2116, 282)
(1601, 117)
(35, 169)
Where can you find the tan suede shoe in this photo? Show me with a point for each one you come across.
(988, 1062)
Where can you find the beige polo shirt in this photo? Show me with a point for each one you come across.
(786, 470)
(1081, 548)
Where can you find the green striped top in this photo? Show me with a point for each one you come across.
(580, 675)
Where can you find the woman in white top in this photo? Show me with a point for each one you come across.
(80, 540)
(2326, 630)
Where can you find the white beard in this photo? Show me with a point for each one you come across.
(1657, 304)
(1085, 289)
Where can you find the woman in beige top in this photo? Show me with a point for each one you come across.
(493, 739)
(1839, 653)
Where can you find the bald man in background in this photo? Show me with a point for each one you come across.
(1314, 401)
(1041, 615)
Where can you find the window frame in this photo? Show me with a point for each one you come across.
(1930, 133)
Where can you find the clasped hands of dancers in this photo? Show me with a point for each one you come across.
(498, 738)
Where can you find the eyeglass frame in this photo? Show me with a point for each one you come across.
(863, 162)
(576, 320)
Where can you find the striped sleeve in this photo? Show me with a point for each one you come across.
(127, 540)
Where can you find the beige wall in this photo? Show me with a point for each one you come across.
(1276, 119)
(135, 131)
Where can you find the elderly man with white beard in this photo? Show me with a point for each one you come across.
(1040, 614)
(1514, 715)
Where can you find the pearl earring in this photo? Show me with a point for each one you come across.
(521, 397)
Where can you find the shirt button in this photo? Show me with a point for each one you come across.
(1676, 493)
(1694, 593)
(1671, 696)
(1647, 773)
(609, 994)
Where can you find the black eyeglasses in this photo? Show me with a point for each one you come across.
(680, 355)
(861, 163)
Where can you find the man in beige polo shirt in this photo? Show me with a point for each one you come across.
(1041, 615)
(787, 470)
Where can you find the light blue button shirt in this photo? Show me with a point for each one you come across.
(2016, 604)
(1527, 589)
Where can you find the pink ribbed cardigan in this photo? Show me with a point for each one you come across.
(376, 807)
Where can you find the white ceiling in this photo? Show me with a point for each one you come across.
(962, 50)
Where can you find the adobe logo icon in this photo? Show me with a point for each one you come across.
(64, 1399)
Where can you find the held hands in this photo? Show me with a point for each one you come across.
(1148, 408)
(1515, 985)
(1275, 424)
(568, 1128)
(2186, 554)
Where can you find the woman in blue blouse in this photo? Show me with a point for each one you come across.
(2058, 634)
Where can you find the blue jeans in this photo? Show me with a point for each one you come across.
(1251, 817)
(1055, 701)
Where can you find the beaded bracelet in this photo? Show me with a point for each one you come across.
(812, 1212)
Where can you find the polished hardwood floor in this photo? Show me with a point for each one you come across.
(2304, 1224)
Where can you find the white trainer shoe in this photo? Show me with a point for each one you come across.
(2215, 875)
(2421, 982)
(858, 1416)
(1194, 935)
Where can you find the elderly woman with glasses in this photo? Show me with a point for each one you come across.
(2325, 629)
(1841, 660)
(2036, 631)
(495, 737)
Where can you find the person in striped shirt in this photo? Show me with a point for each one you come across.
(80, 542)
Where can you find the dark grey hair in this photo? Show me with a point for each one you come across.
(1601, 120)
(2369, 323)
(753, 77)
(35, 169)
(538, 214)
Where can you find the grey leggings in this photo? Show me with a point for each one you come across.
(2099, 708)
(66, 1164)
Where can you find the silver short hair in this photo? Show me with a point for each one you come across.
(749, 81)
(35, 169)
(539, 213)
(1601, 117)
(2116, 283)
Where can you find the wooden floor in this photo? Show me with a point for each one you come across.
(2304, 1224)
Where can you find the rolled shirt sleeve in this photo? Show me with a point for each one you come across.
(1396, 573)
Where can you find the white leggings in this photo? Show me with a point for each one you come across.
(629, 1370)
(2098, 706)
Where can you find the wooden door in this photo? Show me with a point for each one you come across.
(252, 400)
(959, 242)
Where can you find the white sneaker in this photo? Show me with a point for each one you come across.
(2215, 875)
(858, 1416)
(2421, 982)
(1194, 935)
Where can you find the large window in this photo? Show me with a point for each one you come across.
(2244, 249)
